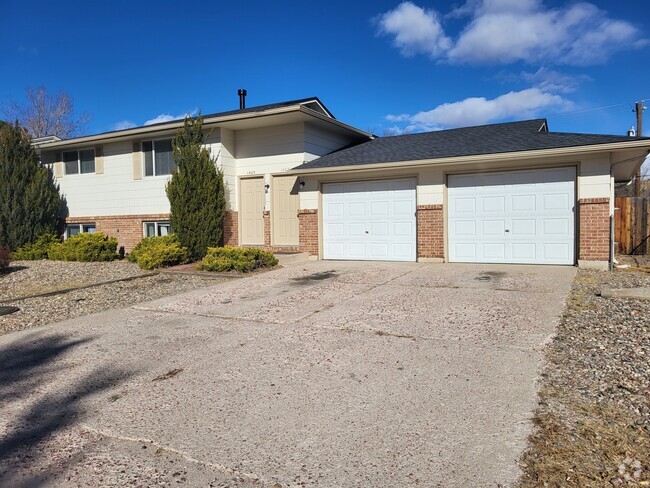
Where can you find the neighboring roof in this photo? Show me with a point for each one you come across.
(508, 137)
(42, 140)
(311, 105)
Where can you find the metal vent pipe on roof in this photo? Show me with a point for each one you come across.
(242, 98)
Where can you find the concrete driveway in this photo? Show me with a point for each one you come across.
(322, 374)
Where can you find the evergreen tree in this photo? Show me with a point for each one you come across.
(30, 203)
(196, 191)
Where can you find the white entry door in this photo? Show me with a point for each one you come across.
(513, 217)
(370, 220)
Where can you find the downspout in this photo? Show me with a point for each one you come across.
(612, 230)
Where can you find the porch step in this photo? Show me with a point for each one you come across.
(291, 258)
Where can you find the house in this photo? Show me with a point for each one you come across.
(501, 193)
(297, 179)
(114, 182)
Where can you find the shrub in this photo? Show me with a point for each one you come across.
(85, 247)
(196, 191)
(159, 252)
(242, 259)
(30, 203)
(36, 250)
(4, 258)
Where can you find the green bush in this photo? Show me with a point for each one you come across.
(159, 252)
(85, 247)
(242, 259)
(33, 251)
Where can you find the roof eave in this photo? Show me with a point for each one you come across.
(509, 156)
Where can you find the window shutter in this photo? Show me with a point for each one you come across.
(58, 165)
(99, 160)
(137, 161)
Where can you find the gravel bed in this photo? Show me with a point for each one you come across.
(44, 310)
(593, 423)
(32, 277)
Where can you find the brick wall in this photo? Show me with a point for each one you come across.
(231, 229)
(308, 231)
(593, 216)
(430, 221)
(127, 229)
(267, 229)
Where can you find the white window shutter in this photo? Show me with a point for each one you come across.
(137, 161)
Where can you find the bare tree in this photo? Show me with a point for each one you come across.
(46, 115)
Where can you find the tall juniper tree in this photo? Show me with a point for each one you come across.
(30, 203)
(196, 191)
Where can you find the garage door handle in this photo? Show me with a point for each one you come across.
(366, 232)
(507, 230)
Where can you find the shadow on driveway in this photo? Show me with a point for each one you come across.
(38, 411)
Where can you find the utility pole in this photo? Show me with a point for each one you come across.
(639, 108)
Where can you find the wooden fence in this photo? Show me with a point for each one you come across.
(632, 225)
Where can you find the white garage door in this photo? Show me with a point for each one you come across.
(513, 217)
(370, 220)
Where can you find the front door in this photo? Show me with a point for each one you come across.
(252, 211)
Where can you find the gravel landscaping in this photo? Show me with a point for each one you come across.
(593, 422)
(33, 277)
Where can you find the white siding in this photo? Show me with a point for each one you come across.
(115, 192)
(594, 180)
(319, 141)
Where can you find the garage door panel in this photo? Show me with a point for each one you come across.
(557, 201)
(493, 227)
(378, 220)
(524, 251)
(493, 204)
(523, 227)
(524, 203)
(355, 229)
(536, 221)
(464, 228)
(555, 251)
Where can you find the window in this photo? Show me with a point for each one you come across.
(152, 229)
(82, 161)
(72, 230)
(158, 157)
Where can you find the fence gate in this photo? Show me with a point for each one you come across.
(631, 225)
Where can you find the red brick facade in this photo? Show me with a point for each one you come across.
(267, 229)
(308, 231)
(231, 229)
(128, 229)
(593, 218)
(430, 222)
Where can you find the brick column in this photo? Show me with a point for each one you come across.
(593, 218)
(431, 240)
(231, 229)
(267, 229)
(308, 231)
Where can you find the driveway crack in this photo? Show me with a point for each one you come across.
(186, 457)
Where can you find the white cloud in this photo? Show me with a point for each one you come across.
(415, 30)
(123, 124)
(397, 118)
(508, 31)
(168, 117)
(554, 81)
(479, 110)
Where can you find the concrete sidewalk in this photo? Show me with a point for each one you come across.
(317, 374)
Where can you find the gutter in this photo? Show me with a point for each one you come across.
(175, 125)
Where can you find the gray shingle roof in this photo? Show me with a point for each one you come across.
(467, 141)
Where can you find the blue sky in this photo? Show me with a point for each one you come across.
(383, 66)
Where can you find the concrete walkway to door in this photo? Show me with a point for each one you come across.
(323, 374)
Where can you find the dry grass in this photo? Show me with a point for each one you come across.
(580, 440)
(587, 450)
